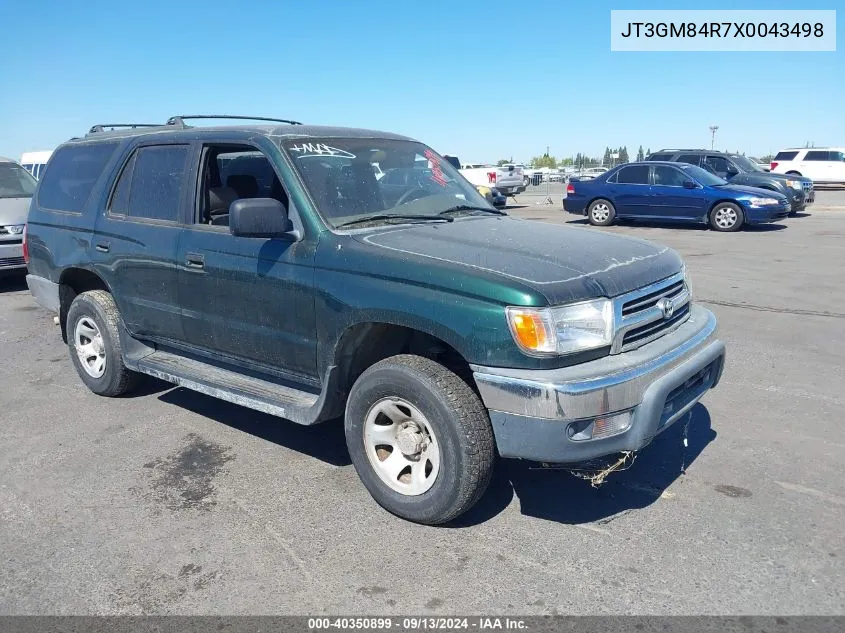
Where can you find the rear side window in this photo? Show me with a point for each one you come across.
(157, 175)
(660, 157)
(817, 155)
(74, 170)
(782, 156)
(633, 175)
(692, 159)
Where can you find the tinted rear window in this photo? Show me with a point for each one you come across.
(74, 170)
(786, 155)
(633, 175)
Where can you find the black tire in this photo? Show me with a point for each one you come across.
(459, 423)
(722, 210)
(98, 306)
(605, 211)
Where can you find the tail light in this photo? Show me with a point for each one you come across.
(25, 247)
(570, 188)
(773, 165)
(491, 176)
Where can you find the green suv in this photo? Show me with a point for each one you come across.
(267, 265)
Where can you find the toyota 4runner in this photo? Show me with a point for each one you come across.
(266, 265)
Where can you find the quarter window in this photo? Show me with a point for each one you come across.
(156, 187)
(633, 175)
(73, 172)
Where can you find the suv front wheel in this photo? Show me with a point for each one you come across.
(420, 439)
(94, 342)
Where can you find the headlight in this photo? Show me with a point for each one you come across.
(763, 202)
(795, 184)
(562, 330)
(15, 229)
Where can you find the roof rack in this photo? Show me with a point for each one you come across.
(685, 149)
(180, 120)
(102, 127)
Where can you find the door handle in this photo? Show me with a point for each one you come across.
(195, 260)
(103, 247)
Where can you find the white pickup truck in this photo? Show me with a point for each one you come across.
(508, 179)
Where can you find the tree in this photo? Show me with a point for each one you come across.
(640, 155)
(608, 158)
(623, 155)
(502, 161)
(544, 161)
(565, 162)
(648, 152)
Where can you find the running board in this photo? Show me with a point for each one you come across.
(262, 395)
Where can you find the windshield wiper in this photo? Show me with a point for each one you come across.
(469, 207)
(387, 217)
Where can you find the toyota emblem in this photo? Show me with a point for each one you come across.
(667, 306)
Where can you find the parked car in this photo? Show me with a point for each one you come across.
(589, 173)
(442, 330)
(739, 170)
(672, 191)
(822, 164)
(35, 162)
(508, 179)
(16, 188)
(761, 166)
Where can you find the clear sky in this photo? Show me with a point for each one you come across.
(483, 80)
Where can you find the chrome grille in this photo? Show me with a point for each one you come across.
(12, 261)
(640, 316)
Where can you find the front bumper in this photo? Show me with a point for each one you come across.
(11, 256)
(531, 410)
(762, 215)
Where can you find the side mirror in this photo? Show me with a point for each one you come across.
(690, 184)
(732, 171)
(259, 217)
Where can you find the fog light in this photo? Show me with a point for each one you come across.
(598, 428)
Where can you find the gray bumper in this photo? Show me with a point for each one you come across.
(11, 256)
(531, 409)
(46, 292)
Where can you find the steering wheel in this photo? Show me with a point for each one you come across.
(406, 197)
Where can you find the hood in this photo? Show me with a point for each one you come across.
(783, 177)
(564, 264)
(751, 191)
(14, 210)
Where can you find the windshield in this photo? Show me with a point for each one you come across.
(15, 181)
(745, 164)
(342, 175)
(703, 176)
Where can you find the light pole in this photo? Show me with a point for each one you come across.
(713, 129)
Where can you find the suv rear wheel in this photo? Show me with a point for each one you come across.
(94, 342)
(420, 439)
(726, 216)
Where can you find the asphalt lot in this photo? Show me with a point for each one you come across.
(172, 502)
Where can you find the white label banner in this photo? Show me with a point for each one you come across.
(721, 30)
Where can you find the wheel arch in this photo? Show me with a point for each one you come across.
(363, 344)
(72, 282)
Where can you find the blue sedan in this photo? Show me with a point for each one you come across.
(675, 192)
